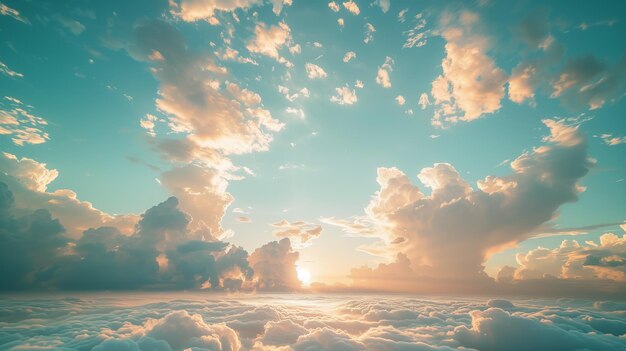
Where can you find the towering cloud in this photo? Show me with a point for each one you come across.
(216, 117)
(448, 234)
(274, 266)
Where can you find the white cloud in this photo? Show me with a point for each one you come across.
(28, 180)
(352, 7)
(300, 233)
(349, 56)
(298, 112)
(382, 77)
(400, 100)
(369, 33)
(340, 22)
(424, 101)
(611, 140)
(314, 71)
(471, 84)
(344, 96)
(442, 239)
(13, 13)
(333, 6)
(194, 10)
(18, 122)
(417, 36)
(275, 322)
(268, 41)
(4, 69)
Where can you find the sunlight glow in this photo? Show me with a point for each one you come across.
(304, 276)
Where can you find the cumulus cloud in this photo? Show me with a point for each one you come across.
(344, 96)
(208, 10)
(471, 84)
(167, 322)
(333, 6)
(352, 7)
(28, 182)
(269, 40)
(160, 253)
(446, 235)
(300, 233)
(274, 266)
(400, 100)
(216, 116)
(19, 123)
(314, 71)
(571, 260)
(382, 77)
(349, 56)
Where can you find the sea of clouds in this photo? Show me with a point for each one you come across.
(194, 321)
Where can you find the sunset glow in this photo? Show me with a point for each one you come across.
(278, 175)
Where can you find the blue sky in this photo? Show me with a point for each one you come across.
(85, 69)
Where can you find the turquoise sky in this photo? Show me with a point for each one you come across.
(73, 64)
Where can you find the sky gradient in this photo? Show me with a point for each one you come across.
(466, 147)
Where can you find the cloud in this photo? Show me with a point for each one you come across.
(166, 322)
(471, 84)
(215, 116)
(298, 112)
(400, 100)
(382, 77)
(445, 237)
(274, 266)
(345, 96)
(352, 7)
(269, 40)
(333, 6)
(571, 260)
(416, 36)
(588, 82)
(341, 22)
(202, 194)
(349, 56)
(314, 71)
(424, 100)
(160, 253)
(194, 10)
(300, 233)
(383, 4)
(18, 122)
(13, 13)
(304, 92)
(369, 33)
(72, 25)
(611, 140)
(28, 181)
(495, 329)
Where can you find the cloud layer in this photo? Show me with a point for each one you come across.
(209, 322)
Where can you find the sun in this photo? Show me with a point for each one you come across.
(304, 276)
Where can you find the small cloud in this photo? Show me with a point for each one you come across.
(349, 56)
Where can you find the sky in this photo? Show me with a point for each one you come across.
(466, 146)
